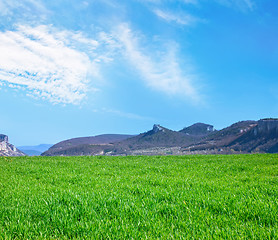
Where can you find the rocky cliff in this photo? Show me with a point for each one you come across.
(262, 137)
(7, 149)
(266, 127)
(242, 137)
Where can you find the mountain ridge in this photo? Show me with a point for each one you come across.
(242, 137)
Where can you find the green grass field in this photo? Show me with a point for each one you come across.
(140, 197)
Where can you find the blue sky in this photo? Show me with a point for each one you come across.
(82, 68)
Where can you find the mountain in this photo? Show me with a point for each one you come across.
(32, 152)
(241, 137)
(35, 150)
(72, 146)
(263, 137)
(7, 149)
(151, 142)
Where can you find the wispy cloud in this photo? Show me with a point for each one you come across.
(163, 1)
(124, 114)
(243, 5)
(25, 8)
(59, 66)
(49, 63)
(179, 18)
(164, 75)
(249, 4)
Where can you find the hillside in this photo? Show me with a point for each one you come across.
(74, 145)
(261, 138)
(242, 137)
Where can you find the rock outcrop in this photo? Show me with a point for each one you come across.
(7, 149)
(4, 138)
(242, 137)
(266, 127)
(262, 137)
(157, 128)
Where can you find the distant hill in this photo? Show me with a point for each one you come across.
(35, 150)
(7, 149)
(32, 152)
(72, 146)
(241, 137)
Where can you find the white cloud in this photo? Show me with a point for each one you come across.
(179, 18)
(59, 66)
(164, 75)
(49, 63)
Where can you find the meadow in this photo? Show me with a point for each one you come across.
(139, 197)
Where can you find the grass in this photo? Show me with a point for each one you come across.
(140, 197)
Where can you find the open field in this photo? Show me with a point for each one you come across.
(140, 197)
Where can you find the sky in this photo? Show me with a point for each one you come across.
(73, 68)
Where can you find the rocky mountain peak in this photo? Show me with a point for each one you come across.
(7, 149)
(157, 128)
(4, 138)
